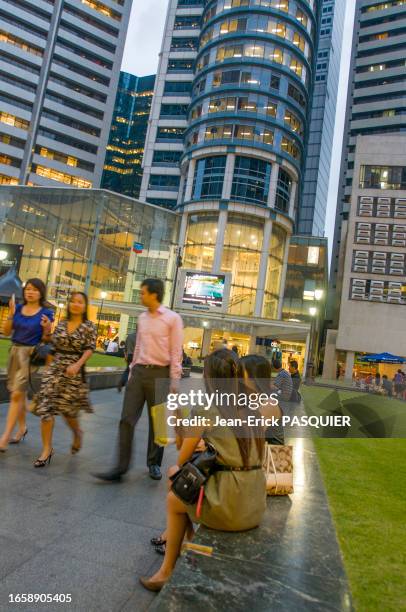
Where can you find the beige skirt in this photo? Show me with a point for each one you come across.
(18, 368)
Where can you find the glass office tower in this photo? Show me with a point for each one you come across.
(122, 166)
(59, 67)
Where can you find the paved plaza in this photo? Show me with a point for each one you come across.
(61, 531)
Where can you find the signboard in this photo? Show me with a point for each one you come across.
(203, 291)
(10, 257)
(138, 248)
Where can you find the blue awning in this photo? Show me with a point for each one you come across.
(383, 358)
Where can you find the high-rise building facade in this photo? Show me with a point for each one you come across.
(59, 69)
(226, 141)
(122, 166)
(314, 193)
(376, 104)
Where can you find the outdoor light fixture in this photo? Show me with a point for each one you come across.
(312, 311)
(103, 295)
(60, 305)
(3, 255)
(318, 294)
(205, 323)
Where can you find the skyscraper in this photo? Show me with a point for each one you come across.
(59, 68)
(376, 101)
(122, 166)
(312, 208)
(368, 266)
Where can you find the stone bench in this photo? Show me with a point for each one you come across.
(291, 562)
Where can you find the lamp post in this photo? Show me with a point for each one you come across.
(178, 264)
(103, 296)
(312, 358)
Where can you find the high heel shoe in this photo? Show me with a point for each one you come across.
(40, 463)
(74, 449)
(18, 440)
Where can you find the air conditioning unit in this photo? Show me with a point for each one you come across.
(359, 282)
(362, 240)
(394, 300)
(358, 268)
(400, 211)
(381, 234)
(381, 241)
(363, 226)
(355, 296)
(364, 234)
(401, 235)
(366, 199)
(377, 284)
(379, 255)
(382, 227)
(383, 212)
(360, 261)
(397, 256)
(399, 228)
(383, 200)
(392, 286)
(362, 254)
(378, 269)
(400, 243)
(376, 298)
(400, 201)
(396, 271)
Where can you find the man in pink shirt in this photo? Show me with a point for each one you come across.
(155, 370)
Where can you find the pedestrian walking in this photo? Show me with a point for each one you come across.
(28, 324)
(129, 355)
(64, 389)
(155, 370)
(296, 380)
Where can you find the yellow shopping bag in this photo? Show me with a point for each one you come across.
(165, 434)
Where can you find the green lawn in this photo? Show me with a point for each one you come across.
(365, 480)
(96, 360)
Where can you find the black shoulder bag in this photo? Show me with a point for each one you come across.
(191, 477)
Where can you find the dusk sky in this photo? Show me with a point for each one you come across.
(141, 58)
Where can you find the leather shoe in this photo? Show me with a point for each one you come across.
(155, 472)
(112, 476)
(152, 585)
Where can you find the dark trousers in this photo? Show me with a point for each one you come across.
(126, 373)
(149, 385)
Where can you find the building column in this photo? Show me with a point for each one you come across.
(349, 365)
(95, 240)
(283, 277)
(292, 200)
(330, 356)
(263, 268)
(218, 251)
(206, 340)
(181, 186)
(306, 357)
(228, 176)
(183, 230)
(272, 185)
(189, 180)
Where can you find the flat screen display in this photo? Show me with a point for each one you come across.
(203, 291)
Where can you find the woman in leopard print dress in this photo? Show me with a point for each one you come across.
(64, 390)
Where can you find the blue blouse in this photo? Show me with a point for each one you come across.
(27, 329)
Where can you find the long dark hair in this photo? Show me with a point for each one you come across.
(85, 315)
(258, 370)
(222, 366)
(39, 286)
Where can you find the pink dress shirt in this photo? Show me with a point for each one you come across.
(160, 340)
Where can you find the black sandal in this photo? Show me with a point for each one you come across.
(158, 541)
(160, 549)
(40, 463)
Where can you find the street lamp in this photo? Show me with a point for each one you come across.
(103, 296)
(313, 311)
(318, 294)
(178, 264)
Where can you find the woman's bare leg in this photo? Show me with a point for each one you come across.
(178, 522)
(73, 424)
(16, 412)
(47, 428)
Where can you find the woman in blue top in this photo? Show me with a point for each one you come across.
(28, 324)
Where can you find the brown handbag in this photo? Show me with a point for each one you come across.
(278, 467)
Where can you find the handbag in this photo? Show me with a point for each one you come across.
(40, 353)
(278, 467)
(188, 481)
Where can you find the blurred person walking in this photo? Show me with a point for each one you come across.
(64, 390)
(129, 355)
(296, 380)
(155, 370)
(28, 324)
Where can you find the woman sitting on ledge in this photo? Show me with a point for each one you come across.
(234, 498)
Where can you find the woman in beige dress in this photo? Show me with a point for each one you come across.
(235, 495)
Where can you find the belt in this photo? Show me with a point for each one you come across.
(151, 365)
(232, 468)
(21, 344)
